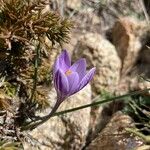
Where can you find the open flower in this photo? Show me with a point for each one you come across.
(69, 79)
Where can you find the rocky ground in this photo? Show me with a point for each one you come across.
(113, 36)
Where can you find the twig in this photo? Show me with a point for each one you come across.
(144, 11)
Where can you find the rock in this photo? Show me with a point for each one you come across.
(74, 4)
(144, 147)
(67, 131)
(72, 42)
(114, 136)
(135, 62)
(102, 54)
(143, 62)
(111, 10)
(133, 83)
(145, 55)
(142, 65)
(126, 36)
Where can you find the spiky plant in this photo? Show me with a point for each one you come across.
(28, 35)
(138, 108)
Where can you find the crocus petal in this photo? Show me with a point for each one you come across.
(87, 78)
(56, 66)
(73, 80)
(63, 62)
(79, 67)
(61, 83)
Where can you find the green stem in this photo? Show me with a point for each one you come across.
(35, 71)
(134, 108)
(146, 138)
(145, 79)
(146, 113)
(45, 118)
(100, 102)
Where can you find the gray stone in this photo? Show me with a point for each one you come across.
(74, 4)
(100, 53)
(126, 34)
(67, 131)
(114, 136)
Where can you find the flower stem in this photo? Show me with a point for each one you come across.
(100, 102)
(52, 113)
(42, 119)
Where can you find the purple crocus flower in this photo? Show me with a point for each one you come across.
(69, 79)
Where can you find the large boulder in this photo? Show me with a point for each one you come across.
(100, 53)
(66, 131)
(126, 36)
(74, 4)
(131, 39)
(114, 136)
